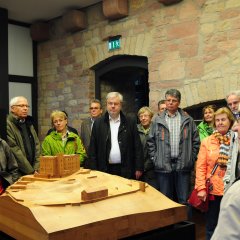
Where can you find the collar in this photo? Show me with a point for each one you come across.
(65, 136)
(173, 115)
(236, 115)
(20, 120)
(114, 120)
(144, 130)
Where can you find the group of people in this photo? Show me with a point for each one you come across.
(218, 160)
(161, 150)
(20, 154)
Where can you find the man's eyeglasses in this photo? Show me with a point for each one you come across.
(171, 100)
(95, 108)
(113, 103)
(21, 105)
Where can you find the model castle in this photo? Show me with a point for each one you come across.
(58, 166)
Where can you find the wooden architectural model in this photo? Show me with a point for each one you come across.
(86, 205)
(58, 166)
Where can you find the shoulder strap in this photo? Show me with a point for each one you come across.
(214, 169)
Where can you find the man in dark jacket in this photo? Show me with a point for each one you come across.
(22, 137)
(8, 166)
(115, 145)
(173, 147)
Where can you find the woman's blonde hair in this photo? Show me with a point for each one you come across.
(57, 113)
(145, 109)
(212, 107)
(229, 115)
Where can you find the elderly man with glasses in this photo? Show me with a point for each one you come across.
(233, 100)
(22, 137)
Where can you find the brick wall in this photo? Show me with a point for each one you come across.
(193, 46)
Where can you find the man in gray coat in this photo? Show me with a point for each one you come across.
(173, 147)
(22, 137)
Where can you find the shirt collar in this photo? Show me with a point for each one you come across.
(114, 120)
(173, 115)
(64, 138)
(144, 130)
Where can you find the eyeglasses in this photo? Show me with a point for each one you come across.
(113, 103)
(171, 100)
(95, 108)
(21, 105)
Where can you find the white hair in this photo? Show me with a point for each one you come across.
(15, 100)
(235, 93)
(115, 94)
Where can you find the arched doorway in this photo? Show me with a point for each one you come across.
(127, 75)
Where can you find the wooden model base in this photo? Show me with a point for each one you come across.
(87, 205)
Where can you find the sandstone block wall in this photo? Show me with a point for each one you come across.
(193, 46)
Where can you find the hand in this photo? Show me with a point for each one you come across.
(36, 172)
(138, 174)
(202, 195)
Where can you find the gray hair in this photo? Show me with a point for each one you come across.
(235, 93)
(174, 93)
(15, 100)
(115, 94)
(96, 101)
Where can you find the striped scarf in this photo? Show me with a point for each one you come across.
(224, 141)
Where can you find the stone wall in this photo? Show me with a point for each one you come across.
(193, 46)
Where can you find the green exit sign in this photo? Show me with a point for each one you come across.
(114, 44)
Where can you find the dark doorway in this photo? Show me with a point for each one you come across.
(196, 111)
(127, 75)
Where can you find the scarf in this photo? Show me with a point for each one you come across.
(224, 141)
